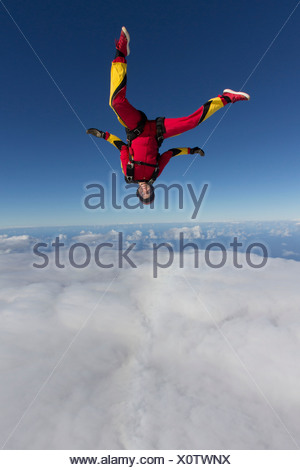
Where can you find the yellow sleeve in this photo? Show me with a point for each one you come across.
(114, 140)
(180, 151)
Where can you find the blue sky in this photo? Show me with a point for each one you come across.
(182, 54)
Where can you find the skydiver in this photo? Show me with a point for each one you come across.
(140, 159)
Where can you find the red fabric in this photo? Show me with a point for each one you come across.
(144, 172)
(224, 101)
(144, 148)
(164, 160)
(120, 59)
(175, 126)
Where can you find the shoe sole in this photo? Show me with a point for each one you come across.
(127, 37)
(237, 93)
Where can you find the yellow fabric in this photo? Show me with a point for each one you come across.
(183, 151)
(215, 105)
(112, 139)
(117, 75)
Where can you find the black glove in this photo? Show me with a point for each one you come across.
(197, 150)
(96, 133)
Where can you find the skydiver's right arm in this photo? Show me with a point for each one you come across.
(112, 139)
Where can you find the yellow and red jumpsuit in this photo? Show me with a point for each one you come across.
(145, 147)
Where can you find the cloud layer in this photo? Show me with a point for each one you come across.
(114, 359)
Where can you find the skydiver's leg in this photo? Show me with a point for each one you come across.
(127, 114)
(178, 125)
(175, 126)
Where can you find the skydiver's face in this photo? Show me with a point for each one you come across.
(144, 190)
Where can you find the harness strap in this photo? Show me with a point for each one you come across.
(160, 130)
(154, 175)
(144, 163)
(131, 135)
(129, 178)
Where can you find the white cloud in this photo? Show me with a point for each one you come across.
(288, 253)
(152, 234)
(14, 243)
(189, 232)
(135, 236)
(285, 232)
(153, 367)
(95, 238)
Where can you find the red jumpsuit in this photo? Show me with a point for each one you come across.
(144, 148)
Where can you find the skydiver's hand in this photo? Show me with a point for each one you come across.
(197, 150)
(96, 133)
